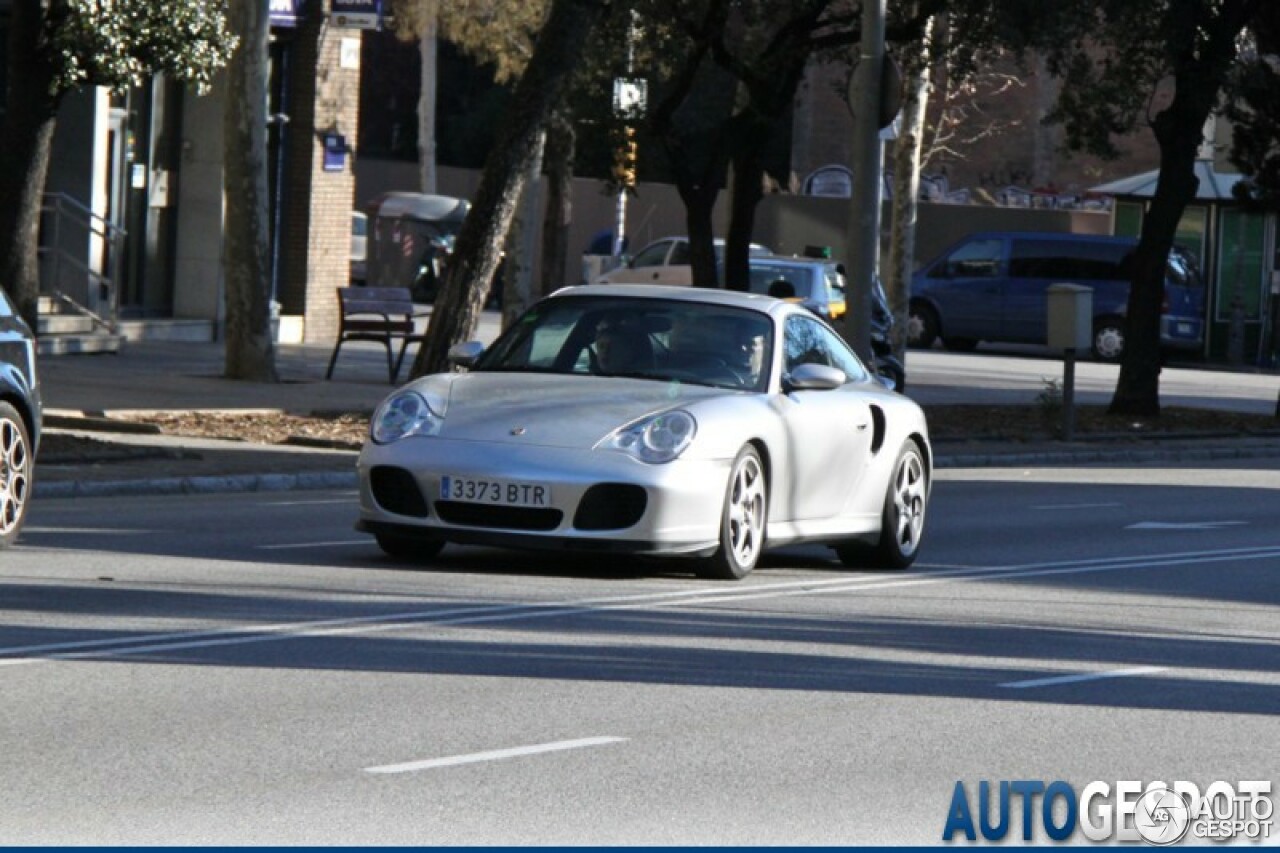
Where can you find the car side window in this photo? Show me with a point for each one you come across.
(652, 256)
(975, 259)
(679, 253)
(808, 341)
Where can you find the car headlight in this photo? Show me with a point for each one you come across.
(406, 413)
(655, 439)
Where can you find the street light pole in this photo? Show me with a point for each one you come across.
(864, 234)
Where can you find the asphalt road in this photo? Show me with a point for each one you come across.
(247, 670)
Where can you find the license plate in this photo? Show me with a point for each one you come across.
(494, 492)
(1184, 328)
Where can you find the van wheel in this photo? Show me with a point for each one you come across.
(1108, 338)
(960, 344)
(922, 326)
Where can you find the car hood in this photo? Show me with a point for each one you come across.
(553, 410)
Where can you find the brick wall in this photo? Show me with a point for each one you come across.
(316, 218)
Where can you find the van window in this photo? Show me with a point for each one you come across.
(975, 259)
(1076, 260)
(1182, 269)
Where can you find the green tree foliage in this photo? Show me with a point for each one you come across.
(1125, 63)
(58, 46)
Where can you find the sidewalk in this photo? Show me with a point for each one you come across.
(164, 376)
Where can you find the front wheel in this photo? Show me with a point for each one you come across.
(922, 326)
(746, 503)
(16, 466)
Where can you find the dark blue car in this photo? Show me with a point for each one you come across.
(993, 286)
(20, 414)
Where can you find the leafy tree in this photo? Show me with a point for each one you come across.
(539, 92)
(1113, 58)
(59, 46)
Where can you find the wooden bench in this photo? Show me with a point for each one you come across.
(380, 314)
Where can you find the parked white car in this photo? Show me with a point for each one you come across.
(665, 261)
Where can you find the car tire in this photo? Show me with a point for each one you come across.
(742, 521)
(960, 344)
(409, 547)
(16, 469)
(1108, 338)
(901, 519)
(922, 326)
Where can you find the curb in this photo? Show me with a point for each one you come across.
(209, 485)
(1133, 455)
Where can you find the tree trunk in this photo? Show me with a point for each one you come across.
(699, 204)
(748, 189)
(1178, 130)
(25, 143)
(906, 187)
(427, 45)
(561, 143)
(540, 91)
(517, 290)
(250, 350)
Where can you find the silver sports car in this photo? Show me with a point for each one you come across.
(654, 420)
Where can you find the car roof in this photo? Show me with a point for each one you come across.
(1055, 235)
(706, 295)
(791, 260)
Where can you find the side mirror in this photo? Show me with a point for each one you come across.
(465, 354)
(815, 377)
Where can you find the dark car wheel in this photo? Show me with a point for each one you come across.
(902, 519)
(960, 344)
(746, 506)
(16, 466)
(922, 326)
(409, 547)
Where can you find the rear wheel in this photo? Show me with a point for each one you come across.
(901, 520)
(15, 473)
(922, 326)
(746, 503)
(1108, 338)
(408, 547)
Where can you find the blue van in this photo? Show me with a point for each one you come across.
(993, 286)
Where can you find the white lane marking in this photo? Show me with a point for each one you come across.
(314, 502)
(1086, 676)
(480, 614)
(299, 545)
(1183, 525)
(494, 755)
(1077, 506)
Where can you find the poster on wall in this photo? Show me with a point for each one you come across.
(285, 13)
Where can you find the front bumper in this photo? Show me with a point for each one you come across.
(681, 507)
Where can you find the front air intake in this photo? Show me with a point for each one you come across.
(610, 506)
(396, 490)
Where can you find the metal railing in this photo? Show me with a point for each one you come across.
(80, 259)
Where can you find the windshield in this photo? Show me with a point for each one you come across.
(655, 339)
(784, 281)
